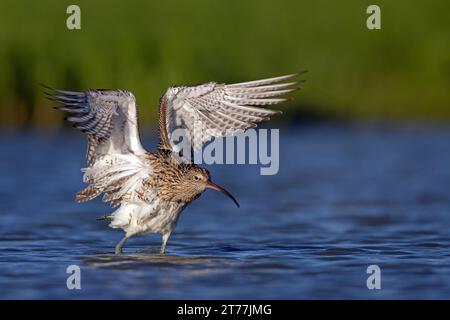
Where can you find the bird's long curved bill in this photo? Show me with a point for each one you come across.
(214, 186)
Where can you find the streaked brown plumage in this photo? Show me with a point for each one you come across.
(151, 189)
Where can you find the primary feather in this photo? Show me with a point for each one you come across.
(216, 110)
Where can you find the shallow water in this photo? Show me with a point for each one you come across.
(345, 198)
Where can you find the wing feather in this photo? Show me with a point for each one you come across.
(116, 176)
(216, 110)
(116, 159)
(108, 117)
(257, 83)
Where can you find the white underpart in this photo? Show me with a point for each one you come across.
(136, 218)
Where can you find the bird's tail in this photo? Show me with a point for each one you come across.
(108, 217)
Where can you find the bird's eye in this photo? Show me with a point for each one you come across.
(196, 178)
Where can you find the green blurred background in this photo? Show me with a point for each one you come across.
(400, 73)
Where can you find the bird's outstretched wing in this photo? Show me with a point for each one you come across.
(115, 156)
(210, 110)
(108, 117)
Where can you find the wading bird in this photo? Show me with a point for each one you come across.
(151, 189)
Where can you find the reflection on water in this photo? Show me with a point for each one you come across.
(130, 261)
(344, 199)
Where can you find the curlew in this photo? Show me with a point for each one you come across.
(150, 189)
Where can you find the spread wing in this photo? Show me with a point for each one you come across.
(116, 162)
(211, 110)
(108, 117)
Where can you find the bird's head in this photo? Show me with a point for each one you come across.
(196, 180)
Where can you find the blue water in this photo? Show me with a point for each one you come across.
(345, 198)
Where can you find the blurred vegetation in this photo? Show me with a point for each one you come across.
(399, 72)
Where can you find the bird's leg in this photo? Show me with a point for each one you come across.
(120, 245)
(165, 238)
